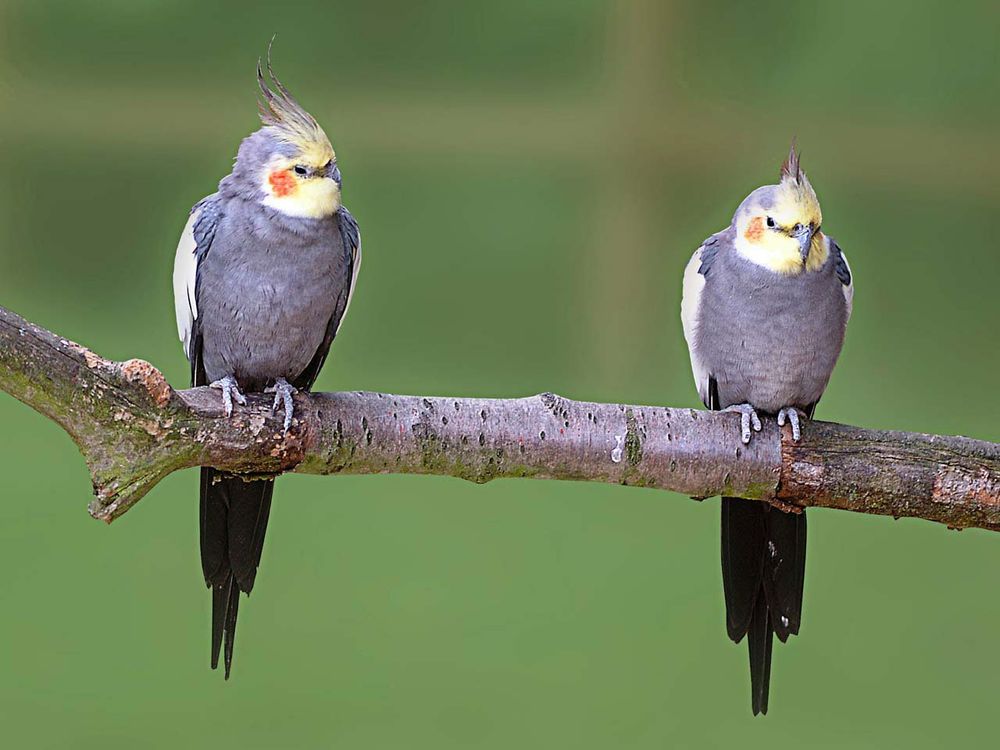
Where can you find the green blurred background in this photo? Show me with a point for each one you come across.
(531, 177)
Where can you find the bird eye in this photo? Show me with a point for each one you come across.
(770, 222)
(300, 170)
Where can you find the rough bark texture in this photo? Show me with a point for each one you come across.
(953, 480)
(133, 429)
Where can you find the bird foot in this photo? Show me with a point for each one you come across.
(791, 415)
(748, 417)
(230, 392)
(283, 392)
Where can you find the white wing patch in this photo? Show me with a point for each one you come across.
(355, 269)
(694, 283)
(185, 274)
(849, 289)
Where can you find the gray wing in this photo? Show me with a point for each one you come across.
(695, 274)
(351, 235)
(195, 242)
(233, 512)
(843, 271)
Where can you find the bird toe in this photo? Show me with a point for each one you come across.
(749, 421)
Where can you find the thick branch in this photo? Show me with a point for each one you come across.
(133, 429)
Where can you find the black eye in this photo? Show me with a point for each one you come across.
(770, 222)
(300, 170)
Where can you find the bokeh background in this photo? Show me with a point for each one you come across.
(531, 177)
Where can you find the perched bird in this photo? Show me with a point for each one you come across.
(765, 305)
(263, 276)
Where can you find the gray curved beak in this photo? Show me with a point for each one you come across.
(805, 237)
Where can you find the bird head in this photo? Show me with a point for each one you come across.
(778, 226)
(289, 163)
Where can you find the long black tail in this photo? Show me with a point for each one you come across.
(233, 521)
(763, 571)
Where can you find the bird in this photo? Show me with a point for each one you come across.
(764, 310)
(263, 276)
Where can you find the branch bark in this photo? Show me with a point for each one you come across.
(133, 429)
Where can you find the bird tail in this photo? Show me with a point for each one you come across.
(234, 516)
(763, 572)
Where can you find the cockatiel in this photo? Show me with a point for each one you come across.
(263, 277)
(765, 305)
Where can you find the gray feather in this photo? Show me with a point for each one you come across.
(267, 292)
(768, 340)
(840, 264)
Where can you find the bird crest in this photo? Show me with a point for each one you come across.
(795, 187)
(791, 168)
(288, 120)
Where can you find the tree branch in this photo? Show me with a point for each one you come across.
(133, 429)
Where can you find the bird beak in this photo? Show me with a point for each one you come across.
(333, 172)
(805, 238)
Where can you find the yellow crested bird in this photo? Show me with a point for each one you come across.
(263, 276)
(765, 305)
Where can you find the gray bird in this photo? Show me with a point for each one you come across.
(263, 277)
(765, 305)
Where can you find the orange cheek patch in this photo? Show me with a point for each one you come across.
(282, 182)
(755, 230)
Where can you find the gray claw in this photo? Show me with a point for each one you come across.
(283, 391)
(748, 417)
(230, 391)
(791, 414)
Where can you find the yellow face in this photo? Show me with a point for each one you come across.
(301, 186)
(786, 237)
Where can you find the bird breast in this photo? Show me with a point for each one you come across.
(265, 302)
(770, 340)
